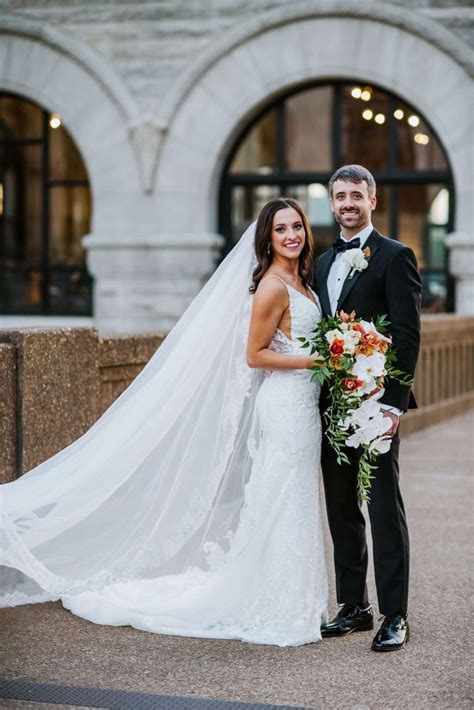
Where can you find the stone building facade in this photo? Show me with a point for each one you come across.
(154, 94)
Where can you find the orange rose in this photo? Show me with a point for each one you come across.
(372, 340)
(336, 363)
(336, 347)
(364, 349)
(358, 327)
(351, 384)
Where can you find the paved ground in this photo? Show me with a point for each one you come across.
(46, 643)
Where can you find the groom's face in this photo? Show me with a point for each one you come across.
(352, 205)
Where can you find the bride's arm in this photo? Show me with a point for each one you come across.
(269, 304)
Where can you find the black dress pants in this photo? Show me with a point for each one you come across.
(388, 525)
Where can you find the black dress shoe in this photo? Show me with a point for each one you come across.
(350, 618)
(392, 635)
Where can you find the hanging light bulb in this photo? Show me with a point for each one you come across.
(356, 92)
(413, 120)
(421, 138)
(55, 120)
(367, 114)
(398, 113)
(379, 118)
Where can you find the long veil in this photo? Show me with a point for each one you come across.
(157, 484)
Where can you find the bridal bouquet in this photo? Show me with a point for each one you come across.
(356, 359)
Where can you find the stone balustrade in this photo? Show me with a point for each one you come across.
(55, 383)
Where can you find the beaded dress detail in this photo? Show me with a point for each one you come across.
(270, 585)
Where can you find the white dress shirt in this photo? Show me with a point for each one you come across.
(338, 273)
(339, 270)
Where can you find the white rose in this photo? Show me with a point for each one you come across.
(351, 339)
(356, 259)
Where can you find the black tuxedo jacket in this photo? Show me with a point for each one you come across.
(389, 285)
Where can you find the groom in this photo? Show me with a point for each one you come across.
(389, 285)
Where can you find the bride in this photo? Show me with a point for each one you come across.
(192, 506)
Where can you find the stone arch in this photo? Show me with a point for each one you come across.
(285, 49)
(65, 76)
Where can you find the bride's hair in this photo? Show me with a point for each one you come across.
(263, 240)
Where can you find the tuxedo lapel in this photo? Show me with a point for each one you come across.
(373, 243)
(326, 260)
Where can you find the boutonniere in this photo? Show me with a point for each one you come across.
(357, 260)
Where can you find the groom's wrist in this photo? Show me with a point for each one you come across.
(389, 408)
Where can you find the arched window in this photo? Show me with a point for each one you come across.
(45, 209)
(294, 146)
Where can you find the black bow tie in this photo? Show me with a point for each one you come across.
(341, 245)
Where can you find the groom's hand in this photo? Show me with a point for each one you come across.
(395, 422)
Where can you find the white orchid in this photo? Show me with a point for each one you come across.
(368, 367)
(381, 445)
(368, 423)
(366, 411)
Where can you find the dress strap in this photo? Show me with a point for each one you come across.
(274, 276)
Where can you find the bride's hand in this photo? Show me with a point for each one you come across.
(315, 360)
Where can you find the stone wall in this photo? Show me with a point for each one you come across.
(151, 43)
(56, 383)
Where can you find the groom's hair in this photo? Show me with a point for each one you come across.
(354, 173)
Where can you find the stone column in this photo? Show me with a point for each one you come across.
(461, 266)
(144, 283)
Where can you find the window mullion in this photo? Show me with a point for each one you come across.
(45, 291)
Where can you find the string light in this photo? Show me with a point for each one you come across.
(379, 118)
(356, 92)
(398, 113)
(366, 94)
(413, 120)
(367, 114)
(55, 120)
(421, 138)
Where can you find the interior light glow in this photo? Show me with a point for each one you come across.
(366, 94)
(398, 113)
(55, 120)
(413, 120)
(317, 190)
(356, 92)
(379, 118)
(421, 138)
(367, 114)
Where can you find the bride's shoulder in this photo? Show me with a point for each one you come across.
(270, 286)
(271, 292)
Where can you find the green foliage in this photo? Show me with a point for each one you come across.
(343, 402)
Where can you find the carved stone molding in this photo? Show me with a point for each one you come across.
(423, 27)
(146, 137)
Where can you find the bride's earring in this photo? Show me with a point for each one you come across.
(268, 249)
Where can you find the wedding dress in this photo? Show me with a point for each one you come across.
(200, 519)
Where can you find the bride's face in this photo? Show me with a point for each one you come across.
(288, 234)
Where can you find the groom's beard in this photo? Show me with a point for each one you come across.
(352, 221)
